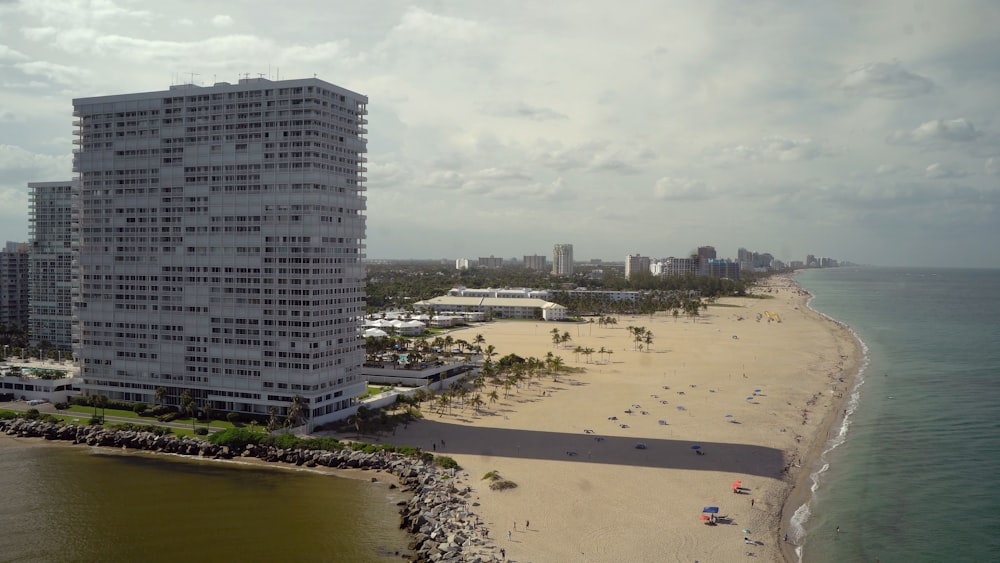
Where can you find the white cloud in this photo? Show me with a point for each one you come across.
(993, 166)
(886, 169)
(938, 171)
(668, 188)
(593, 156)
(52, 71)
(885, 80)
(521, 110)
(774, 148)
(936, 132)
(8, 54)
(222, 20)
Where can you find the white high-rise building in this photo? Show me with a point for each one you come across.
(221, 239)
(51, 264)
(562, 260)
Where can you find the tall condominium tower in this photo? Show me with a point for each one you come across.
(562, 260)
(14, 284)
(636, 263)
(221, 238)
(51, 264)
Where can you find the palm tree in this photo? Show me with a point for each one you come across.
(99, 402)
(298, 412)
(359, 418)
(609, 352)
(493, 396)
(207, 409)
(476, 401)
(160, 394)
(273, 423)
(648, 339)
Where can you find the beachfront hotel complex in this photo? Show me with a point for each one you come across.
(221, 244)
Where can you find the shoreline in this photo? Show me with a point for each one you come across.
(801, 493)
(599, 500)
(608, 501)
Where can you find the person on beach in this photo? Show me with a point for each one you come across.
(509, 535)
(527, 524)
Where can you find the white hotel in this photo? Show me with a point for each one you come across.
(221, 238)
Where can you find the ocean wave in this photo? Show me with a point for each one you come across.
(797, 523)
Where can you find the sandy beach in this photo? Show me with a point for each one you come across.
(757, 396)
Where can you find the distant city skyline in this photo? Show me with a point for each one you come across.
(863, 131)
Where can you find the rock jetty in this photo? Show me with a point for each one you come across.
(437, 516)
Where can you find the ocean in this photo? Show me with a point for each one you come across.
(909, 475)
(60, 502)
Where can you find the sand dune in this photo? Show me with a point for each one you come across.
(590, 494)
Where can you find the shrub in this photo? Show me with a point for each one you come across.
(232, 417)
(32, 414)
(161, 410)
(169, 417)
(201, 431)
(236, 438)
(502, 485)
(61, 406)
(139, 408)
(446, 462)
(96, 421)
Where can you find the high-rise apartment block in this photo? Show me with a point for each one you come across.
(221, 238)
(534, 262)
(14, 284)
(636, 264)
(51, 264)
(562, 260)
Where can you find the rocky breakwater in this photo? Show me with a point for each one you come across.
(438, 515)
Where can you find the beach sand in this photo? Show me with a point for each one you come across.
(591, 495)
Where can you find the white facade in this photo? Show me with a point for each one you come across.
(51, 264)
(221, 238)
(562, 260)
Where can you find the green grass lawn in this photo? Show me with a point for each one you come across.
(86, 412)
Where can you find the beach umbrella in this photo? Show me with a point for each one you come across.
(705, 516)
(729, 416)
(749, 398)
(737, 484)
(746, 531)
(756, 390)
(696, 447)
(710, 510)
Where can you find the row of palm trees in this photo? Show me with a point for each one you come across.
(506, 374)
(419, 348)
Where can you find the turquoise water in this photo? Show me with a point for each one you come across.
(910, 477)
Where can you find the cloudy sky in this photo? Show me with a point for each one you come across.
(864, 131)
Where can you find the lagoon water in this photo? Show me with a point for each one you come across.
(74, 503)
(911, 476)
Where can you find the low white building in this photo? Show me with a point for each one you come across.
(45, 381)
(498, 307)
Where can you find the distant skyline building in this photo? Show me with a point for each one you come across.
(491, 262)
(14, 285)
(535, 262)
(221, 245)
(562, 260)
(636, 263)
(462, 264)
(51, 264)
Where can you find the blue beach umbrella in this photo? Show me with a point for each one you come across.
(756, 390)
(749, 398)
(696, 447)
(710, 509)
